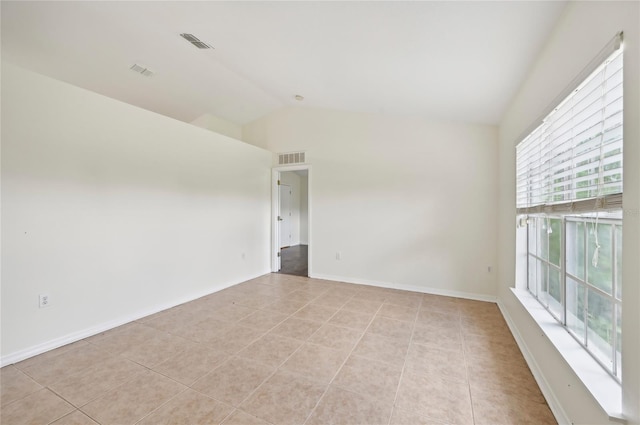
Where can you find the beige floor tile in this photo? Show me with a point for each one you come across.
(501, 341)
(530, 413)
(477, 306)
(404, 417)
(344, 292)
(382, 349)
(242, 418)
(256, 301)
(285, 306)
(14, 384)
(39, 408)
(271, 350)
(235, 339)
(316, 313)
(199, 344)
(412, 299)
(285, 399)
(444, 305)
(368, 293)
(430, 299)
(296, 328)
(526, 388)
(436, 318)
(499, 373)
(75, 418)
(157, 349)
(233, 380)
(432, 361)
(391, 328)
(344, 407)
(436, 336)
(359, 305)
(330, 300)
(398, 312)
(172, 320)
(301, 295)
(370, 378)
(263, 319)
(189, 407)
(490, 404)
(316, 362)
(336, 337)
(436, 399)
(123, 337)
(207, 329)
(487, 329)
(351, 319)
(46, 357)
(232, 313)
(133, 400)
(65, 364)
(314, 287)
(95, 381)
(191, 364)
(488, 412)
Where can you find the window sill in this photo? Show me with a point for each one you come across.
(602, 386)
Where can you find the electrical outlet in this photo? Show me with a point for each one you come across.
(45, 300)
(338, 255)
(488, 269)
(243, 256)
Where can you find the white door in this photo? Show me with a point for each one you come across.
(285, 215)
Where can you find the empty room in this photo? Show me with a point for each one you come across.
(362, 213)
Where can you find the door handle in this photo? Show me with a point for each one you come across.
(279, 218)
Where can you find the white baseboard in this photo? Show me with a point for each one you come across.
(549, 395)
(413, 288)
(85, 333)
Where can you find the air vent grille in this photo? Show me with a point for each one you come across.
(195, 41)
(141, 70)
(291, 158)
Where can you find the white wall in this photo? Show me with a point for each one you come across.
(407, 202)
(116, 212)
(292, 180)
(582, 31)
(219, 125)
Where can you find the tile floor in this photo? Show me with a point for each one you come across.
(287, 350)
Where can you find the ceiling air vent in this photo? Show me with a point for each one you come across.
(141, 70)
(291, 158)
(195, 41)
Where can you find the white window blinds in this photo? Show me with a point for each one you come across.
(573, 160)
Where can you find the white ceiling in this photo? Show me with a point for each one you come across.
(450, 60)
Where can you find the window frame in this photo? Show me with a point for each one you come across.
(616, 303)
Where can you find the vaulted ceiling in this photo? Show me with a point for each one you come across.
(450, 60)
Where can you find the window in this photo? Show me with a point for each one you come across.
(569, 195)
(579, 288)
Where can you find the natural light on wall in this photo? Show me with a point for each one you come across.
(569, 195)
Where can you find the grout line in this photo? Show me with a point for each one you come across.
(353, 296)
(277, 368)
(162, 405)
(343, 363)
(404, 364)
(466, 369)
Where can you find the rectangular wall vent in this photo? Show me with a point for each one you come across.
(291, 158)
(141, 70)
(195, 41)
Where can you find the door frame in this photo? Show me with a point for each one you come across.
(275, 211)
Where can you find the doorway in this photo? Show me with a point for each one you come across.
(291, 224)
